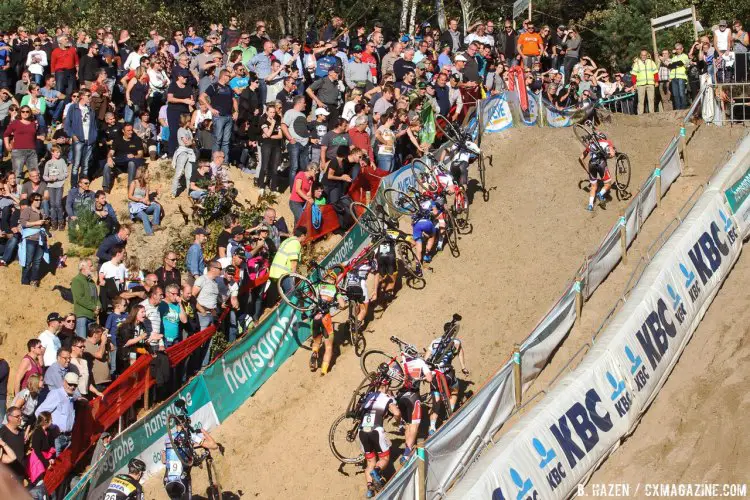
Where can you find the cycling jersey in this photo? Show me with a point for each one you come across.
(421, 227)
(414, 371)
(356, 281)
(600, 153)
(124, 487)
(374, 407)
(445, 356)
(327, 294)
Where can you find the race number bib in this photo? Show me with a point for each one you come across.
(174, 466)
(110, 496)
(369, 421)
(385, 248)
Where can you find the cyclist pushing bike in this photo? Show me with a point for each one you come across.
(425, 224)
(322, 324)
(127, 486)
(177, 480)
(377, 448)
(598, 150)
(442, 351)
(356, 287)
(415, 372)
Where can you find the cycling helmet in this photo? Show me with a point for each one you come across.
(175, 489)
(135, 465)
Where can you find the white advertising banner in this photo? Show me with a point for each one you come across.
(553, 448)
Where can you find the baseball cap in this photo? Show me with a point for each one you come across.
(459, 57)
(357, 49)
(561, 27)
(71, 378)
(53, 317)
(237, 230)
(240, 252)
(41, 30)
(723, 22)
(334, 69)
(321, 111)
(230, 269)
(201, 230)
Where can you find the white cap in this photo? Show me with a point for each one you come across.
(321, 111)
(71, 378)
(459, 57)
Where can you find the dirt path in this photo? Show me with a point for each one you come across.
(528, 240)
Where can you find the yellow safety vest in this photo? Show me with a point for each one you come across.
(680, 72)
(288, 252)
(644, 72)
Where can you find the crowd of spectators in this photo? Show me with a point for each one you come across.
(305, 115)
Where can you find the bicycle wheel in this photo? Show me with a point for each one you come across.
(343, 438)
(366, 218)
(483, 177)
(451, 233)
(424, 176)
(370, 363)
(409, 260)
(302, 296)
(583, 134)
(357, 337)
(180, 440)
(213, 492)
(400, 201)
(447, 128)
(445, 393)
(622, 172)
(460, 211)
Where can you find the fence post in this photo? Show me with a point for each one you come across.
(623, 237)
(683, 145)
(657, 173)
(517, 373)
(422, 477)
(146, 393)
(579, 300)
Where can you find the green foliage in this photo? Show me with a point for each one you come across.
(86, 231)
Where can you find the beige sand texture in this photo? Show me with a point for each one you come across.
(528, 241)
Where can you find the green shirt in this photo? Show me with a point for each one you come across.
(85, 299)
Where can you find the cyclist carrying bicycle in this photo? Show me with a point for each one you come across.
(386, 263)
(375, 444)
(415, 371)
(356, 287)
(425, 224)
(177, 481)
(443, 351)
(598, 150)
(322, 324)
(127, 486)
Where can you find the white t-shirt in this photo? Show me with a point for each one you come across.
(51, 344)
(116, 271)
(83, 374)
(348, 112)
(152, 316)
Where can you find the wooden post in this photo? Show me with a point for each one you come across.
(624, 237)
(579, 300)
(146, 402)
(517, 374)
(657, 173)
(421, 475)
(653, 41)
(683, 145)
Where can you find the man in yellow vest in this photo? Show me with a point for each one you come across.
(678, 76)
(643, 71)
(285, 261)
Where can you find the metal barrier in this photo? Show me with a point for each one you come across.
(734, 101)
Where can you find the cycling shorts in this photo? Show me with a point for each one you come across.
(374, 442)
(358, 292)
(387, 264)
(460, 172)
(422, 226)
(411, 407)
(599, 170)
(179, 489)
(450, 378)
(326, 323)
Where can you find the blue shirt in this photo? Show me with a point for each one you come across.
(261, 65)
(238, 83)
(444, 59)
(170, 321)
(113, 322)
(61, 406)
(324, 64)
(194, 260)
(195, 40)
(4, 54)
(53, 377)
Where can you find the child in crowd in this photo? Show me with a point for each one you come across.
(55, 173)
(117, 316)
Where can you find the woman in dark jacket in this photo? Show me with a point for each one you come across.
(130, 334)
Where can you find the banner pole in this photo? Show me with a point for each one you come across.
(657, 173)
(517, 374)
(623, 238)
(421, 475)
(683, 145)
(579, 300)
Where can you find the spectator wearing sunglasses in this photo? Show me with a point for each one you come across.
(60, 402)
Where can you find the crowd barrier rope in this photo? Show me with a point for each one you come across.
(585, 416)
(473, 428)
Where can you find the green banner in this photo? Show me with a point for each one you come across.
(427, 117)
(739, 192)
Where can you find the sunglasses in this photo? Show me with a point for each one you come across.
(25, 111)
(72, 386)
(69, 321)
(171, 260)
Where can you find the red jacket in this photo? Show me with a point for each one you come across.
(362, 141)
(63, 59)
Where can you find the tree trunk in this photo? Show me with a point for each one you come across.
(440, 11)
(413, 17)
(404, 15)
